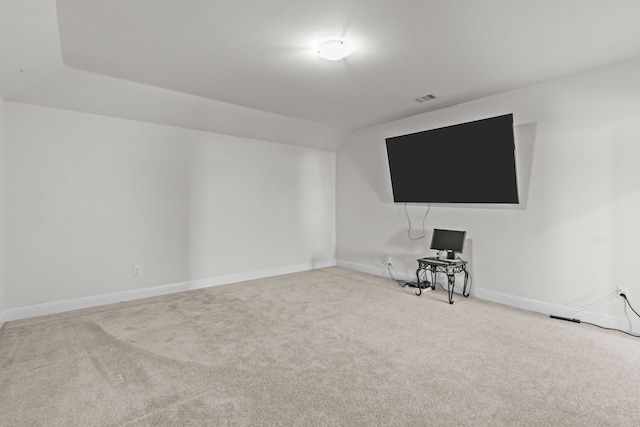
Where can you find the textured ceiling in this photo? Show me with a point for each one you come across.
(259, 57)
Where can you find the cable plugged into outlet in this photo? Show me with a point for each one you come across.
(621, 292)
(389, 260)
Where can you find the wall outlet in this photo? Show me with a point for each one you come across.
(620, 290)
(389, 260)
(137, 270)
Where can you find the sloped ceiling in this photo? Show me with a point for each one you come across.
(250, 68)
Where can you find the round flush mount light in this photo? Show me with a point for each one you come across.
(334, 50)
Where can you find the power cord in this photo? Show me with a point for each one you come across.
(628, 303)
(391, 274)
(402, 283)
(423, 220)
(611, 329)
(603, 327)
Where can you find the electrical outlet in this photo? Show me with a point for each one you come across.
(620, 290)
(137, 270)
(389, 260)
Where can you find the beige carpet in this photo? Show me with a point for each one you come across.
(326, 347)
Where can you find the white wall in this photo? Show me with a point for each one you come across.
(576, 234)
(89, 197)
(2, 209)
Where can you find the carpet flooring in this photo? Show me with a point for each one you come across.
(328, 347)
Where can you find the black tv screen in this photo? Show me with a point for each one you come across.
(471, 162)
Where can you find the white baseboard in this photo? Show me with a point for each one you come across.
(600, 319)
(2, 314)
(376, 271)
(588, 316)
(116, 297)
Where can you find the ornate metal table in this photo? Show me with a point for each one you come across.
(448, 267)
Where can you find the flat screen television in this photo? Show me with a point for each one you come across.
(471, 162)
(451, 241)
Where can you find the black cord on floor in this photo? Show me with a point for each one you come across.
(402, 283)
(612, 329)
(603, 327)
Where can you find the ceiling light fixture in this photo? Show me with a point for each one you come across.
(334, 50)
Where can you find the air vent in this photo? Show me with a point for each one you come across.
(425, 98)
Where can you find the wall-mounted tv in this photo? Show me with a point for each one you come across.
(471, 162)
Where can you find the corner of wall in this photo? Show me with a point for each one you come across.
(2, 210)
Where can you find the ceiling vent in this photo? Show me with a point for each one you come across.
(425, 98)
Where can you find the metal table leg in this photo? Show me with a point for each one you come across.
(451, 282)
(465, 292)
(421, 282)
